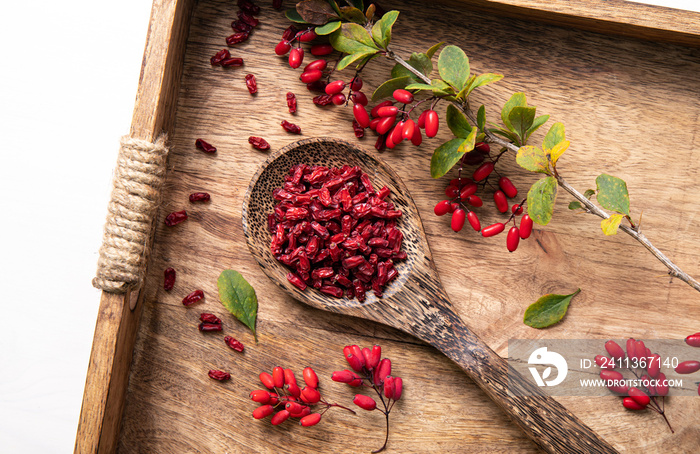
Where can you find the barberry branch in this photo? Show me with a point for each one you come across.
(673, 269)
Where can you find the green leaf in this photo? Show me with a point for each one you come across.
(479, 81)
(548, 310)
(387, 88)
(238, 296)
(381, 31)
(417, 86)
(316, 12)
(446, 156)
(352, 14)
(533, 159)
(441, 87)
(430, 52)
(327, 29)
(589, 193)
(353, 39)
(502, 132)
(421, 62)
(294, 16)
(457, 122)
(540, 200)
(350, 59)
(518, 99)
(611, 224)
(554, 137)
(612, 193)
(575, 205)
(453, 66)
(481, 118)
(521, 119)
(539, 121)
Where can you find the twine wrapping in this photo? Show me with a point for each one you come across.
(133, 206)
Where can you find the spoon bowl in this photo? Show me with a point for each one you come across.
(415, 302)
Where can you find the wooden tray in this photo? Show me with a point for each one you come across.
(630, 108)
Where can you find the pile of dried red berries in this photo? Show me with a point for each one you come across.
(337, 233)
(283, 391)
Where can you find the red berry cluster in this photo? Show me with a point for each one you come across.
(689, 367)
(646, 368)
(336, 232)
(286, 399)
(462, 194)
(370, 370)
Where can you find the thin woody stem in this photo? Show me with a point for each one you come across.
(673, 269)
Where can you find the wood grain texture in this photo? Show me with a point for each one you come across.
(616, 97)
(119, 315)
(610, 17)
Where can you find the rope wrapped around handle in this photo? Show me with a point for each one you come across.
(136, 194)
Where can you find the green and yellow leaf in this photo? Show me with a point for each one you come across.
(453, 66)
(381, 31)
(457, 122)
(533, 159)
(548, 310)
(446, 156)
(540, 200)
(612, 193)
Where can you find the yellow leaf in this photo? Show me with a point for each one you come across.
(611, 224)
(557, 151)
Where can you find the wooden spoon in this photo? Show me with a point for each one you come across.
(415, 302)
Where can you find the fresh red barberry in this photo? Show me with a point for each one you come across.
(316, 65)
(310, 420)
(389, 387)
(259, 143)
(279, 417)
(375, 111)
(688, 367)
(209, 318)
(639, 396)
(612, 347)
(432, 123)
(278, 377)
(220, 56)
(343, 376)
(306, 36)
(468, 190)
(204, 146)
(291, 102)
(289, 377)
(168, 279)
(291, 127)
(263, 411)
(417, 138)
(483, 147)
(364, 402)
(458, 218)
(267, 380)
(661, 385)
(493, 229)
(442, 208)
(513, 239)
(283, 47)
(385, 125)
(359, 97)
(335, 87)
(483, 171)
(289, 33)
(693, 340)
(517, 209)
(397, 133)
(260, 396)
(199, 197)
(234, 344)
(311, 76)
(296, 57)
(525, 227)
(338, 99)
(474, 221)
(310, 377)
(319, 50)
(408, 128)
(403, 96)
(310, 395)
(356, 84)
(361, 115)
(508, 187)
(474, 200)
(237, 38)
(387, 111)
(193, 297)
(499, 198)
(631, 404)
(219, 375)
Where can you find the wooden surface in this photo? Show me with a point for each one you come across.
(119, 315)
(630, 108)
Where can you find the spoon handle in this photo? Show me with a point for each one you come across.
(543, 419)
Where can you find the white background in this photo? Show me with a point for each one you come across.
(68, 78)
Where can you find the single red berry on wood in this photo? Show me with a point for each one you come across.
(408, 128)
(267, 380)
(310, 420)
(693, 340)
(280, 417)
(632, 404)
(193, 297)
(612, 347)
(263, 411)
(291, 127)
(356, 84)
(310, 76)
(204, 146)
(513, 239)
(639, 396)
(474, 221)
(474, 200)
(361, 115)
(296, 57)
(493, 229)
(403, 96)
(442, 208)
(458, 218)
(375, 110)
(688, 367)
(364, 402)
(260, 396)
(220, 56)
(316, 65)
(282, 47)
(338, 99)
(432, 123)
(199, 197)
(501, 202)
(278, 377)
(335, 87)
(483, 171)
(306, 36)
(319, 50)
(508, 187)
(525, 227)
(310, 377)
